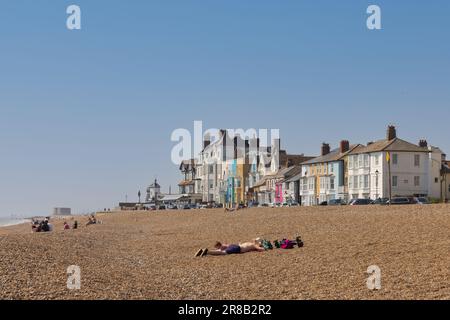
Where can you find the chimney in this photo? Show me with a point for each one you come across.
(369, 143)
(391, 133)
(345, 146)
(206, 140)
(325, 149)
(423, 144)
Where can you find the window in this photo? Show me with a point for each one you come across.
(332, 183)
(416, 181)
(311, 183)
(366, 181)
(350, 183)
(394, 181)
(350, 162)
(355, 182)
(395, 158)
(360, 161)
(305, 184)
(436, 180)
(377, 160)
(416, 160)
(210, 169)
(366, 161)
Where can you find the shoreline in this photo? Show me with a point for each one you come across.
(14, 222)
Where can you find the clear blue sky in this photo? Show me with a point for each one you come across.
(86, 116)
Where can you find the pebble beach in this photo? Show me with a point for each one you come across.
(150, 255)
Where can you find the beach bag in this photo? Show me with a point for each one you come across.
(287, 244)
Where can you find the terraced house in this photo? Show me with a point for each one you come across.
(413, 170)
(190, 186)
(324, 178)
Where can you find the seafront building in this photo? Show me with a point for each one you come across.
(325, 178)
(413, 170)
(231, 170)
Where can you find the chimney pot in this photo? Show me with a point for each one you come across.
(423, 143)
(391, 133)
(345, 146)
(325, 149)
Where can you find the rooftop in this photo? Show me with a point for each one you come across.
(393, 145)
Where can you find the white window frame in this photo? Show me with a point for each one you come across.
(395, 158)
(417, 160)
(416, 181)
(366, 161)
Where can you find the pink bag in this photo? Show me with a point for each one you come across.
(287, 244)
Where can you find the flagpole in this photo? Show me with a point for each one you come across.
(388, 158)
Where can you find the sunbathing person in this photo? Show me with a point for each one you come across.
(225, 249)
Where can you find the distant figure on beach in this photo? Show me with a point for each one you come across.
(35, 225)
(225, 249)
(92, 220)
(75, 225)
(66, 226)
(44, 226)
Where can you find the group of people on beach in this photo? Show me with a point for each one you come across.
(45, 225)
(41, 226)
(257, 245)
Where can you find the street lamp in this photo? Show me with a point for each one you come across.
(376, 183)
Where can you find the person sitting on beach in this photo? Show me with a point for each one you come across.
(44, 226)
(75, 225)
(35, 226)
(66, 226)
(225, 249)
(92, 220)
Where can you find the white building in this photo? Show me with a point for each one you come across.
(153, 191)
(62, 211)
(410, 168)
(212, 165)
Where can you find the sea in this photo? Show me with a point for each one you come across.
(6, 222)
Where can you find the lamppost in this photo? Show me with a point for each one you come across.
(376, 183)
(442, 179)
(139, 196)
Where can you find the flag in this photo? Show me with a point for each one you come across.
(388, 157)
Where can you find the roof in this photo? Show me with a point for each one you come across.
(294, 178)
(155, 185)
(261, 181)
(334, 155)
(172, 197)
(188, 163)
(288, 172)
(393, 145)
(288, 160)
(186, 183)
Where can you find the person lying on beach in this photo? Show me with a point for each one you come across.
(225, 249)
